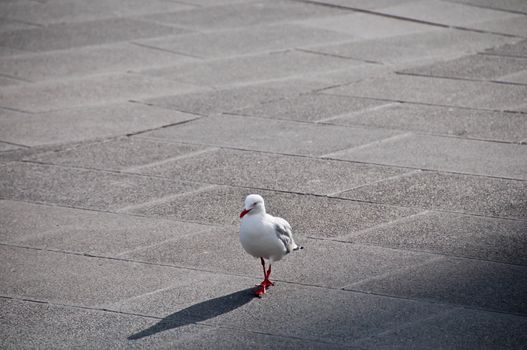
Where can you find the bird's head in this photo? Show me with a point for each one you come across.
(254, 203)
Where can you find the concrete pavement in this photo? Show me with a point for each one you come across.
(391, 134)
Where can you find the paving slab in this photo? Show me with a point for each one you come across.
(309, 107)
(445, 154)
(49, 12)
(452, 234)
(252, 69)
(460, 122)
(516, 26)
(509, 5)
(83, 188)
(228, 99)
(84, 123)
(517, 49)
(309, 313)
(87, 91)
(467, 282)
(447, 92)
(84, 231)
(363, 4)
(245, 40)
(64, 327)
(313, 265)
(271, 171)
(451, 192)
(445, 12)
(481, 67)
(90, 60)
(115, 154)
(519, 78)
(8, 147)
(458, 329)
(328, 217)
(242, 14)
(75, 279)
(67, 35)
(273, 135)
(367, 26)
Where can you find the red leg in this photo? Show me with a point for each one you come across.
(267, 282)
(261, 288)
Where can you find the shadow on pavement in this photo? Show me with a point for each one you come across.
(199, 312)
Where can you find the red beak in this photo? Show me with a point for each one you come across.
(245, 211)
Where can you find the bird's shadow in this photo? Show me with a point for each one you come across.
(198, 312)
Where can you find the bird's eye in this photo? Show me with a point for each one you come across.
(255, 203)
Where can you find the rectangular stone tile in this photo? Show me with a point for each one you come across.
(61, 11)
(66, 35)
(519, 78)
(517, 49)
(82, 188)
(363, 4)
(245, 40)
(516, 26)
(444, 153)
(509, 5)
(272, 135)
(445, 12)
(457, 329)
(115, 154)
(84, 231)
(308, 215)
(32, 325)
(467, 282)
(270, 171)
(8, 147)
(367, 26)
(461, 122)
(86, 61)
(456, 93)
(315, 314)
(453, 234)
(252, 69)
(243, 14)
(75, 279)
(347, 263)
(83, 123)
(309, 107)
(228, 99)
(484, 67)
(415, 47)
(470, 194)
(93, 90)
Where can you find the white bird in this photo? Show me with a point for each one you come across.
(264, 236)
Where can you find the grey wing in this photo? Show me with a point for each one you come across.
(285, 234)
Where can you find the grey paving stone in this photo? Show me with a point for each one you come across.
(272, 135)
(270, 171)
(67, 35)
(8, 25)
(7, 51)
(471, 123)
(309, 107)
(457, 329)
(7, 147)
(470, 194)
(93, 90)
(63, 327)
(86, 61)
(512, 25)
(468, 282)
(308, 215)
(349, 75)
(517, 49)
(252, 69)
(453, 234)
(484, 67)
(61, 11)
(455, 93)
(243, 14)
(363, 4)
(82, 188)
(4, 81)
(82, 123)
(114, 154)
(444, 12)
(84, 231)
(246, 40)
(520, 78)
(228, 99)
(303, 312)
(508, 5)
(444, 153)
(368, 26)
(312, 266)
(75, 279)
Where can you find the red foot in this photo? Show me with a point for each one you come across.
(259, 291)
(266, 283)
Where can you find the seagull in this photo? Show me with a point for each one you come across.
(264, 236)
